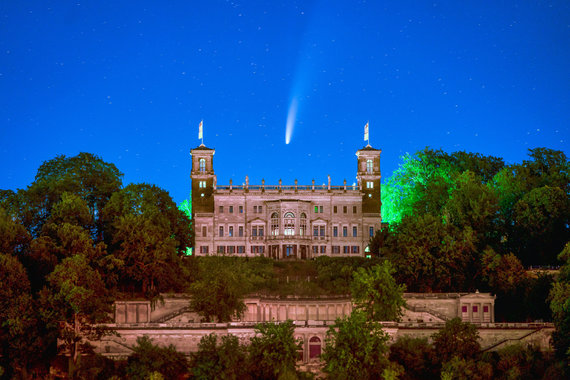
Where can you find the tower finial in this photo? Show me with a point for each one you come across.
(201, 132)
(366, 135)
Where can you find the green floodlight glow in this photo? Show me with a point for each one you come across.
(189, 251)
(367, 249)
(368, 256)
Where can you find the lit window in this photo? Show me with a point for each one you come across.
(202, 164)
(369, 166)
(354, 231)
(202, 184)
(335, 231)
(316, 209)
(345, 231)
(274, 224)
(464, 309)
(231, 231)
(485, 309)
(323, 249)
(475, 309)
(371, 231)
(355, 249)
(346, 249)
(241, 209)
(315, 249)
(369, 184)
(289, 223)
(303, 226)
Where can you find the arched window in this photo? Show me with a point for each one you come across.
(303, 225)
(314, 347)
(369, 166)
(289, 223)
(274, 224)
(202, 164)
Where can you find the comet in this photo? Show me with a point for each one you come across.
(291, 115)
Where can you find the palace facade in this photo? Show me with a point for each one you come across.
(284, 221)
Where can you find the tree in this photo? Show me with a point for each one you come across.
(375, 292)
(466, 369)
(219, 361)
(416, 356)
(14, 238)
(503, 273)
(84, 175)
(458, 339)
(219, 290)
(560, 305)
(273, 350)
(78, 301)
(147, 232)
(432, 256)
(22, 339)
(355, 348)
(148, 359)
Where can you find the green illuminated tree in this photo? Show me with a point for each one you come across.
(376, 293)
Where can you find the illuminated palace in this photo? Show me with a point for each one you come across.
(281, 221)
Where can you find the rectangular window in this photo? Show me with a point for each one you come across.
(261, 249)
(354, 231)
(260, 209)
(335, 231)
(253, 249)
(231, 249)
(315, 231)
(464, 309)
(260, 231)
(321, 209)
(231, 209)
(231, 231)
(369, 185)
(221, 249)
(335, 249)
(204, 231)
(346, 249)
(254, 231)
(315, 249)
(345, 231)
(221, 209)
(371, 231)
(204, 249)
(355, 249)
(323, 249)
(240, 231)
(221, 231)
(344, 209)
(322, 230)
(475, 309)
(202, 184)
(241, 249)
(335, 209)
(241, 209)
(316, 209)
(354, 209)
(255, 209)
(485, 309)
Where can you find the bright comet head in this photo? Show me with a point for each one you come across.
(291, 120)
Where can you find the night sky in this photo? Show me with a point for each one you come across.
(130, 82)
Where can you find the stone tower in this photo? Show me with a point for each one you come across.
(368, 174)
(203, 180)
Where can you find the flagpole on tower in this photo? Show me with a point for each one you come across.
(367, 134)
(201, 132)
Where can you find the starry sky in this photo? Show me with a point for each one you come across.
(130, 81)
